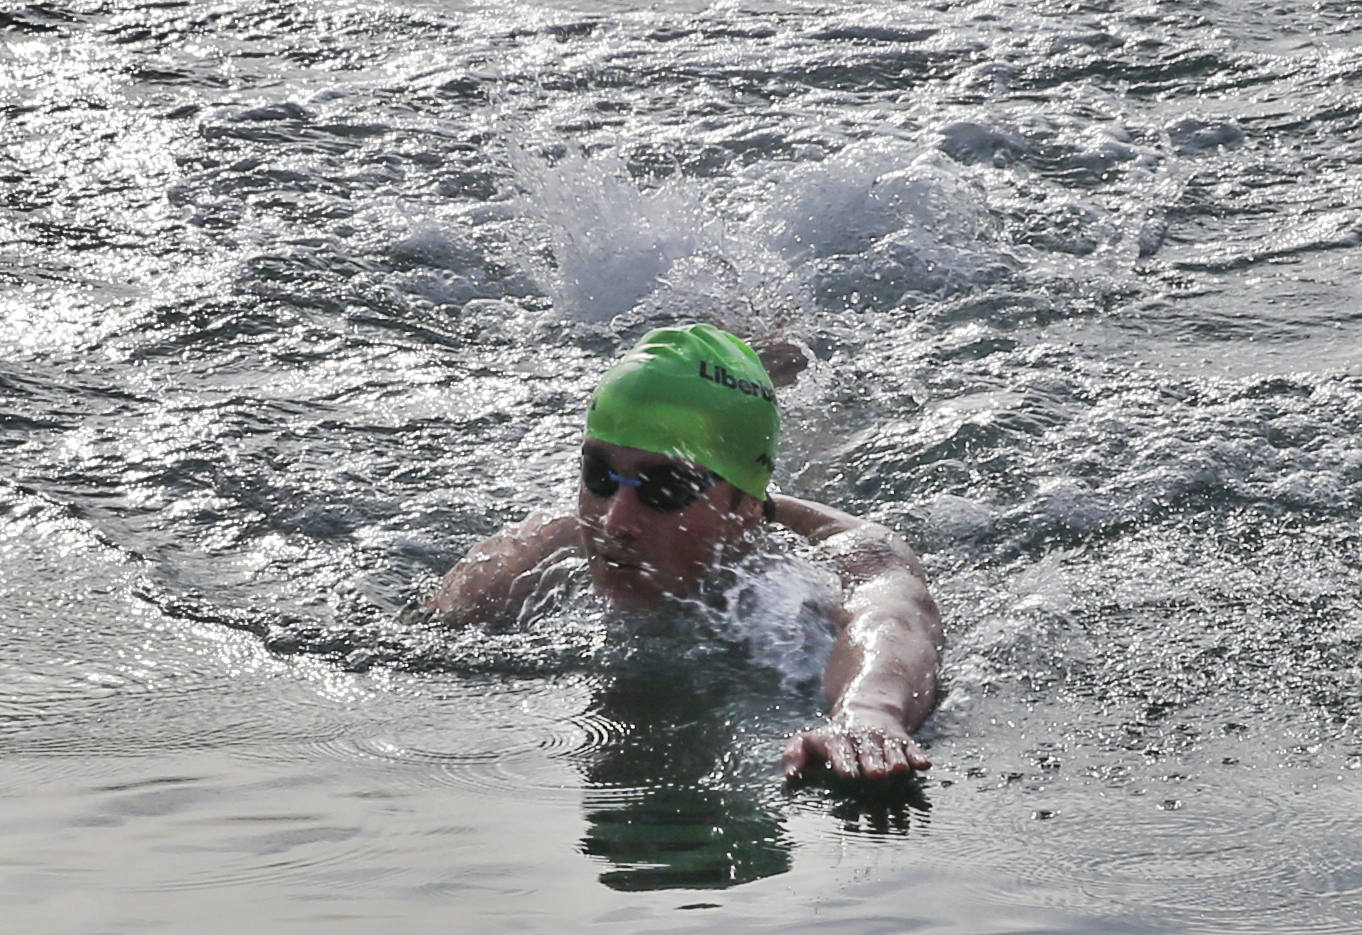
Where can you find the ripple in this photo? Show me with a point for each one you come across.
(314, 851)
(593, 730)
(1165, 851)
(484, 737)
(1194, 856)
(1078, 285)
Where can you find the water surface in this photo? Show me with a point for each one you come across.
(299, 301)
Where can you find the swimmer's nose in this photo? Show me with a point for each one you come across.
(622, 518)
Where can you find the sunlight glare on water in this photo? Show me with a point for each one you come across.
(300, 301)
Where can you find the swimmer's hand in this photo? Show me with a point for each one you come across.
(855, 745)
(783, 359)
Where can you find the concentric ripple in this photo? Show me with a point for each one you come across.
(300, 300)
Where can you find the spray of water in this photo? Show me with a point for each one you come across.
(780, 249)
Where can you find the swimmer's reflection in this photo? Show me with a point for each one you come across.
(891, 807)
(686, 837)
(677, 801)
(664, 807)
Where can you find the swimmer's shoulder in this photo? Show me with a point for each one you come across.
(493, 578)
(546, 529)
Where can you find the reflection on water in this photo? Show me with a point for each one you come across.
(686, 837)
(673, 801)
(685, 791)
(301, 299)
(898, 806)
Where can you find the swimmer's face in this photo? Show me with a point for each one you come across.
(637, 553)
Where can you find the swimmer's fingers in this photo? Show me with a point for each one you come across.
(810, 748)
(896, 759)
(916, 758)
(797, 755)
(843, 755)
(872, 753)
(903, 755)
(853, 754)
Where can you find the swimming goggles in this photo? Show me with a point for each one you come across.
(666, 488)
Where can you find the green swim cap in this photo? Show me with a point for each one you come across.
(695, 393)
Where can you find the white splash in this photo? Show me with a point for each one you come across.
(755, 254)
(782, 613)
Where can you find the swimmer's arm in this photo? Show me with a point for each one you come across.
(493, 580)
(881, 679)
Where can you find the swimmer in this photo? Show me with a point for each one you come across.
(677, 456)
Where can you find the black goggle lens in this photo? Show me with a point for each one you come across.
(665, 488)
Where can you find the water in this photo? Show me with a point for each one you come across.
(300, 300)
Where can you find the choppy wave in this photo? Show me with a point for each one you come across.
(302, 300)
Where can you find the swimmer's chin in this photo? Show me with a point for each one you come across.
(623, 597)
(626, 587)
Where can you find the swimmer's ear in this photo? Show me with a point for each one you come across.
(749, 509)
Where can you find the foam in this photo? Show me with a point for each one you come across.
(781, 612)
(868, 191)
(606, 242)
(882, 211)
(957, 518)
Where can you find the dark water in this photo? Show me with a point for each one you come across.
(298, 301)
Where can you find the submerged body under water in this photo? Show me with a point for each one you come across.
(301, 300)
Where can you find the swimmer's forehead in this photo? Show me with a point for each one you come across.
(619, 454)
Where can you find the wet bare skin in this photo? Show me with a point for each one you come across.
(881, 678)
(882, 675)
(637, 554)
